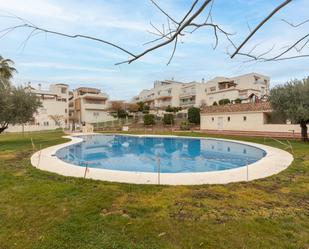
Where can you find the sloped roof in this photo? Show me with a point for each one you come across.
(246, 107)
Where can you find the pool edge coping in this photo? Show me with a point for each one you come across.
(275, 161)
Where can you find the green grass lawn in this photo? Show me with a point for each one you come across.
(44, 210)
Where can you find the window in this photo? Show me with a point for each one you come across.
(228, 119)
(66, 110)
(46, 123)
(245, 118)
(63, 90)
(213, 119)
(212, 89)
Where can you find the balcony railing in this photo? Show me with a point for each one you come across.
(164, 95)
(95, 106)
(95, 96)
(184, 94)
(187, 103)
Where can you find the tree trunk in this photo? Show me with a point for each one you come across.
(3, 128)
(304, 131)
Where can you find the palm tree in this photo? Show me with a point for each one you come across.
(6, 68)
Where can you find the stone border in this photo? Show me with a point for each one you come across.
(275, 161)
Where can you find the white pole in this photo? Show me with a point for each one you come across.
(247, 171)
(159, 162)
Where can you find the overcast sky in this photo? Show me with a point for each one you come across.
(50, 59)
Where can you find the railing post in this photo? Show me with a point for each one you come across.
(86, 170)
(159, 168)
(247, 170)
(39, 160)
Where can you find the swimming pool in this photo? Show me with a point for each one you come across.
(163, 154)
(158, 159)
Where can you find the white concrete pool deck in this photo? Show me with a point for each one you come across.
(275, 161)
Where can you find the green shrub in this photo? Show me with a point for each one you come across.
(173, 109)
(237, 101)
(169, 109)
(141, 105)
(215, 103)
(146, 109)
(121, 114)
(184, 126)
(168, 119)
(224, 101)
(149, 119)
(194, 115)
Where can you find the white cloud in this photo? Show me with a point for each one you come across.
(125, 22)
(37, 8)
(62, 66)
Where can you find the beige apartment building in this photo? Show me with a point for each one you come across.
(241, 87)
(163, 94)
(62, 108)
(54, 110)
(174, 93)
(88, 105)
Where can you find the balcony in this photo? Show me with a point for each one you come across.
(260, 81)
(92, 106)
(187, 103)
(187, 94)
(163, 104)
(100, 96)
(164, 95)
(149, 98)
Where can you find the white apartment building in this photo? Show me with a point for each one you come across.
(203, 93)
(88, 105)
(163, 94)
(240, 87)
(54, 110)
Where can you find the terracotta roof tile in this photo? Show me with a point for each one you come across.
(246, 107)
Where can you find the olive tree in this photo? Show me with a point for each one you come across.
(17, 106)
(291, 100)
(194, 115)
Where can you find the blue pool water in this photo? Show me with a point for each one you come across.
(150, 154)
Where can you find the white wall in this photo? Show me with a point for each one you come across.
(254, 122)
(29, 128)
(94, 116)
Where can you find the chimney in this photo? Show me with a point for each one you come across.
(40, 86)
(203, 80)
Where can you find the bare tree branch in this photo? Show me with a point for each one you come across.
(259, 26)
(295, 25)
(189, 12)
(173, 31)
(168, 16)
(72, 36)
(177, 32)
(174, 50)
(290, 48)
